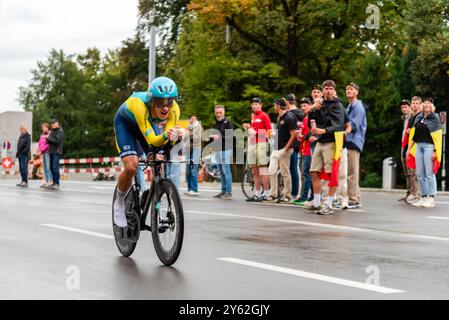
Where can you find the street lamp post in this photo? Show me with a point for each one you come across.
(152, 56)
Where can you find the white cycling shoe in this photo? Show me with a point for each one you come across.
(119, 215)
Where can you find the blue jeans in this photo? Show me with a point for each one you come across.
(46, 167)
(294, 174)
(54, 167)
(306, 178)
(141, 178)
(192, 171)
(424, 169)
(174, 173)
(224, 163)
(23, 160)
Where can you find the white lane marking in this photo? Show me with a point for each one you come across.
(327, 226)
(438, 218)
(102, 188)
(90, 233)
(196, 199)
(315, 276)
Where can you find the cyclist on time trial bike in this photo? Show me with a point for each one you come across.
(145, 121)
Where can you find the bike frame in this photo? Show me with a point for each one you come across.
(144, 202)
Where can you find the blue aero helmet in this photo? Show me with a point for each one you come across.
(163, 88)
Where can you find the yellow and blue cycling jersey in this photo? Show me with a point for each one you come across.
(136, 130)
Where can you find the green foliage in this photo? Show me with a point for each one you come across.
(371, 180)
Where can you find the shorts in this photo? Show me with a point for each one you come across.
(323, 156)
(128, 138)
(257, 155)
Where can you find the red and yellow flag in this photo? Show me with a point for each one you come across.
(333, 176)
(411, 163)
(437, 137)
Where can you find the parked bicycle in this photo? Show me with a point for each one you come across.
(247, 183)
(209, 169)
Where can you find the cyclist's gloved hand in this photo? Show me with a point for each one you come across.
(172, 134)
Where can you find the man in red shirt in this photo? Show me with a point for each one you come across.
(258, 133)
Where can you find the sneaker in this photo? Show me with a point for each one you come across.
(403, 198)
(45, 185)
(191, 193)
(420, 202)
(337, 205)
(226, 196)
(253, 198)
(120, 215)
(354, 205)
(325, 211)
(271, 199)
(428, 203)
(219, 195)
(54, 186)
(344, 205)
(411, 199)
(284, 200)
(299, 202)
(311, 206)
(22, 184)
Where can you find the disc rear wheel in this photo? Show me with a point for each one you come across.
(126, 238)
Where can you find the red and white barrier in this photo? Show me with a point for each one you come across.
(90, 160)
(91, 170)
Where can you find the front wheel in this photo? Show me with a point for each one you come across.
(167, 222)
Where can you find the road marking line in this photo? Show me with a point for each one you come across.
(327, 226)
(197, 199)
(90, 233)
(439, 218)
(315, 276)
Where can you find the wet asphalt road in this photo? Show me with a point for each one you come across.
(232, 249)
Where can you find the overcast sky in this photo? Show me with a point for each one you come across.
(29, 29)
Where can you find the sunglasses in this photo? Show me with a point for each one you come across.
(161, 103)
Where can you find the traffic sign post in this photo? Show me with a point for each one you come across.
(6, 163)
(443, 120)
(6, 146)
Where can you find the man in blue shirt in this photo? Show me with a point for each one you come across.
(355, 140)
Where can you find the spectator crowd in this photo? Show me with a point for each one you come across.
(310, 157)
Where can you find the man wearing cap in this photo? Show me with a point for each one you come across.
(55, 141)
(294, 171)
(355, 139)
(259, 131)
(282, 150)
(413, 195)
